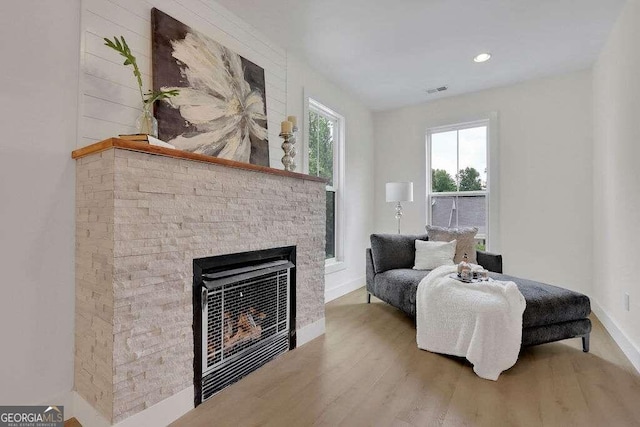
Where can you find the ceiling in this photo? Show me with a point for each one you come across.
(388, 52)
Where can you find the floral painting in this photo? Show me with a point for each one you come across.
(220, 110)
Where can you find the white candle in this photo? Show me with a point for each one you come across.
(286, 127)
(293, 120)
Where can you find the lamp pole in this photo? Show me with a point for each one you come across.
(398, 214)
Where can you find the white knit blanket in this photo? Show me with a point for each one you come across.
(479, 321)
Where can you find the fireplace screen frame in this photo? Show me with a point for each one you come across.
(218, 267)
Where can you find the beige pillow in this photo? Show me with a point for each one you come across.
(465, 237)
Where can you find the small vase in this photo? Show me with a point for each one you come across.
(146, 123)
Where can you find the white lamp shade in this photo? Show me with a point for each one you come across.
(399, 191)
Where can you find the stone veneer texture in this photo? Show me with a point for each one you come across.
(141, 220)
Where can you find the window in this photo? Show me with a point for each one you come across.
(458, 190)
(325, 153)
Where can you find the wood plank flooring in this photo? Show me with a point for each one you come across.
(367, 371)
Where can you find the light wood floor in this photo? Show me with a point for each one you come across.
(367, 370)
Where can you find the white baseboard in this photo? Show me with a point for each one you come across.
(627, 347)
(345, 288)
(164, 412)
(85, 413)
(309, 332)
(161, 414)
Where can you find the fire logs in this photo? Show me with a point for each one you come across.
(235, 331)
(247, 327)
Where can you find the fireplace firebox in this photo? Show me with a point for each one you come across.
(244, 315)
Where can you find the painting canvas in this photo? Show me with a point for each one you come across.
(221, 108)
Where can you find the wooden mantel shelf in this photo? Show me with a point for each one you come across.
(179, 154)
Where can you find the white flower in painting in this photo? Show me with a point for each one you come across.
(219, 102)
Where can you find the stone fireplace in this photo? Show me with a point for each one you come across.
(244, 315)
(143, 215)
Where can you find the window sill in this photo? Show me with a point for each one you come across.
(332, 266)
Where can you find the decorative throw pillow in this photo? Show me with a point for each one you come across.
(430, 255)
(465, 237)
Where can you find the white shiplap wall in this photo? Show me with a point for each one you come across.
(110, 101)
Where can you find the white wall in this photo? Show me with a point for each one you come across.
(303, 82)
(544, 150)
(38, 110)
(616, 179)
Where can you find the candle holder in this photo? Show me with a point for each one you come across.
(293, 139)
(287, 160)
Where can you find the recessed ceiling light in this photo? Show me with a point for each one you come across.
(483, 57)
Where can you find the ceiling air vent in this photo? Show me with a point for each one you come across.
(437, 89)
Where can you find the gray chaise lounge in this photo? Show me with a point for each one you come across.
(551, 314)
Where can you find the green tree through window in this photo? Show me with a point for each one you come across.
(320, 146)
(470, 179)
(442, 181)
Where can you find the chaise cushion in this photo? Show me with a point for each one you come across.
(391, 251)
(547, 304)
(398, 287)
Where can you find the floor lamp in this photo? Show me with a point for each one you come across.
(398, 192)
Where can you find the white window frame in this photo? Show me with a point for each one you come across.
(492, 236)
(336, 263)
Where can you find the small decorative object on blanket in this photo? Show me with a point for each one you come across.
(464, 269)
(479, 321)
